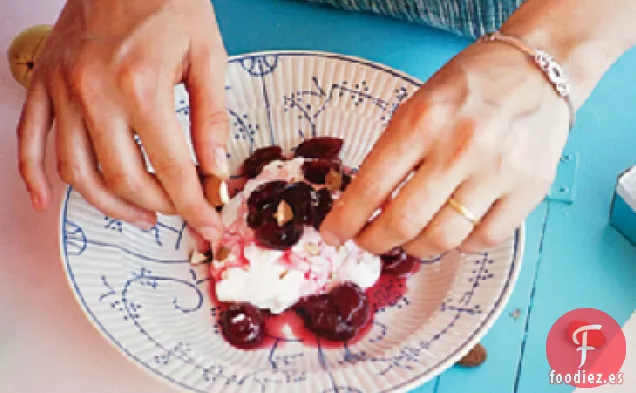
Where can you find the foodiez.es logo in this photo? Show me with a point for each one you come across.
(586, 348)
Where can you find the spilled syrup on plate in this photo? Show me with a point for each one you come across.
(290, 327)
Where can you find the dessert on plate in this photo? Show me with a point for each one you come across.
(273, 260)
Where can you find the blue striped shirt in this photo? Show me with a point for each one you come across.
(471, 18)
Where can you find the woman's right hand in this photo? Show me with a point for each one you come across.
(109, 67)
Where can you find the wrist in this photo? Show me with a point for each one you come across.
(584, 44)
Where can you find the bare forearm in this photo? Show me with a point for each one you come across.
(585, 36)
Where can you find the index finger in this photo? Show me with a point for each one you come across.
(210, 123)
(162, 137)
(396, 153)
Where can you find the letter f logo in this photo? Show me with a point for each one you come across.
(583, 343)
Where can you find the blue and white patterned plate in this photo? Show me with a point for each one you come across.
(140, 292)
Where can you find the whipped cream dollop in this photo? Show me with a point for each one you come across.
(275, 280)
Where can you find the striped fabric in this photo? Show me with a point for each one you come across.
(471, 18)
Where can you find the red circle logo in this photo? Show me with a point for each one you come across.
(586, 348)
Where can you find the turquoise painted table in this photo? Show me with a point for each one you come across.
(573, 258)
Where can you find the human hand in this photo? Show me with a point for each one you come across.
(108, 68)
(487, 130)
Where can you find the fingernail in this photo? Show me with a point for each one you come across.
(331, 239)
(224, 192)
(216, 191)
(145, 225)
(221, 163)
(210, 233)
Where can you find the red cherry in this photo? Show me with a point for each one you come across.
(243, 325)
(316, 171)
(300, 196)
(398, 263)
(253, 165)
(263, 202)
(320, 147)
(351, 303)
(273, 236)
(338, 315)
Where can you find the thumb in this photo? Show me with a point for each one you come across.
(209, 118)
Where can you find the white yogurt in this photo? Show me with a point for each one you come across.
(275, 280)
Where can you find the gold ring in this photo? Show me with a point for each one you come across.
(461, 209)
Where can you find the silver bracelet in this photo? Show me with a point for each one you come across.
(552, 70)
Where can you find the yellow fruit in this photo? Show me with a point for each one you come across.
(24, 51)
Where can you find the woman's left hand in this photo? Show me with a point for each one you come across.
(487, 130)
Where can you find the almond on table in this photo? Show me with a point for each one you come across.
(475, 357)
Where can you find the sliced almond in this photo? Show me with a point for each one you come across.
(283, 213)
(198, 258)
(312, 249)
(216, 190)
(283, 274)
(333, 180)
(222, 254)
